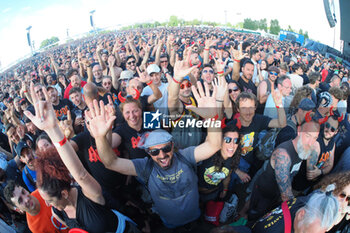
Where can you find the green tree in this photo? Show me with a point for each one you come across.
(290, 29)
(306, 35)
(301, 32)
(274, 27)
(250, 24)
(173, 21)
(263, 24)
(49, 42)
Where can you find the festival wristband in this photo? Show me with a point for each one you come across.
(176, 81)
(60, 143)
(149, 83)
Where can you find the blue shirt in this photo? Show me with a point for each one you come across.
(26, 180)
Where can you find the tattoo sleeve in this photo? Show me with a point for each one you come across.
(312, 161)
(282, 163)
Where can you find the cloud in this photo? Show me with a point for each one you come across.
(6, 10)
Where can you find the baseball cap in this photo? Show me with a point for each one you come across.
(153, 138)
(274, 69)
(325, 99)
(126, 74)
(21, 145)
(153, 68)
(306, 104)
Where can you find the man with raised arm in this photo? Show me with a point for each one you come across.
(169, 176)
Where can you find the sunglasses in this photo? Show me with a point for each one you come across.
(131, 62)
(328, 126)
(273, 73)
(183, 85)
(343, 196)
(165, 149)
(163, 61)
(233, 89)
(229, 140)
(206, 71)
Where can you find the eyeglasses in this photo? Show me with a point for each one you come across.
(183, 85)
(343, 196)
(233, 89)
(131, 62)
(229, 140)
(273, 73)
(165, 149)
(206, 71)
(163, 61)
(328, 126)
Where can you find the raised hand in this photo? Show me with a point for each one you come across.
(66, 126)
(98, 122)
(143, 76)
(206, 104)
(277, 97)
(111, 61)
(220, 65)
(45, 116)
(182, 68)
(221, 88)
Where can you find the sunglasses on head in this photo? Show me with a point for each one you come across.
(233, 89)
(229, 140)
(206, 71)
(343, 196)
(183, 85)
(131, 62)
(165, 149)
(328, 126)
(273, 73)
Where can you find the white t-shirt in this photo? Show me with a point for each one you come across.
(162, 103)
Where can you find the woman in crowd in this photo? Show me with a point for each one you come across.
(214, 173)
(234, 89)
(81, 206)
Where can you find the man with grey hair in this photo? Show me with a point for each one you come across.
(314, 213)
(275, 182)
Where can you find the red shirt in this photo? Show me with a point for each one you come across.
(324, 74)
(66, 92)
(43, 221)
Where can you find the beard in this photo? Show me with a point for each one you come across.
(302, 153)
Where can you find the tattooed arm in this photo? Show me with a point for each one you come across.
(281, 163)
(312, 171)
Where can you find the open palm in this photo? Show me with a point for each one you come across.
(99, 122)
(206, 104)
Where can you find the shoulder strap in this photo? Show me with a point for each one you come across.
(292, 124)
(30, 178)
(287, 218)
(184, 160)
(147, 172)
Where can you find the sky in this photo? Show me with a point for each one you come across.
(52, 18)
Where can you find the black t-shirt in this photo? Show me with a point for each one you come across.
(130, 138)
(61, 109)
(90, 216)
(88, 155)
(247, 87)
(250, 135)
(208, 176)
(273, 222)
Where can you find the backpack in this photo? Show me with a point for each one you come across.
(266, 143)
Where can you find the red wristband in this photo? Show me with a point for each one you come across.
(206, 49)
(61, 143)
(25, 91)
(277, 106)
(237, 60)
(220, 72)
(176, 81)
(149, 83)
(225, 190)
